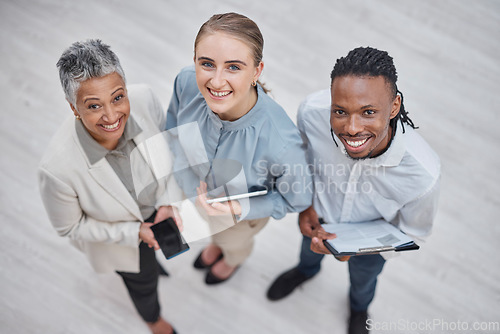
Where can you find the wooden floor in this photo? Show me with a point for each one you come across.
(447, 54)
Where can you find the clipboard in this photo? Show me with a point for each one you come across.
(371, 250)
(366, 238)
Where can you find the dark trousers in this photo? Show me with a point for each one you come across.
(143, 286)
(363, 273)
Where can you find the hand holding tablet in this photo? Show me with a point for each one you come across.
(235, 197)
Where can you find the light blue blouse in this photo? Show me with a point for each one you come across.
(265, 143)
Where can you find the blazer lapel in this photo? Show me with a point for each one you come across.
(107, 179)
(105, 176)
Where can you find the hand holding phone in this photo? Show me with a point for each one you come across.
(169, 238)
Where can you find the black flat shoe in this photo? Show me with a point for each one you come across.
(199, 264)
(211, 279)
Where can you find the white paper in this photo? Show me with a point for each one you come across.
(353, 237)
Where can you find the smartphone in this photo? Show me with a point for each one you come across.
(235, 197)
(169, 238)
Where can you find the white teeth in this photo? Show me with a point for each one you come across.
(112, 126)
(219, 94)
(356, 143)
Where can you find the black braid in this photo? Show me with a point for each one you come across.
(367, 61)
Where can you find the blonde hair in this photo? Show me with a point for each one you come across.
(238, 26)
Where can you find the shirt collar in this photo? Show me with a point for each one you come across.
(93, 150)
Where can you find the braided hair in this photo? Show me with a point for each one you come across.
(367, 61)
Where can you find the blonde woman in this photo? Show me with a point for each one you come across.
(238, 122)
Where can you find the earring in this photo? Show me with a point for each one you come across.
(78, 117)
(254, 83)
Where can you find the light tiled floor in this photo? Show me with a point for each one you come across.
(446, 53)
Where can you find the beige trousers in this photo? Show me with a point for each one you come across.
(235, 238)
(237, 241)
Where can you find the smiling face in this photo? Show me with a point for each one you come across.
(104, 108)
(360, 113)
(225, 71)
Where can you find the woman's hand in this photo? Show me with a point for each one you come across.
(216, 209)
(147, 236)
(165, 212)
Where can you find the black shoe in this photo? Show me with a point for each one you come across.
(286, 283)
(199, 264)
(211, 279)
(357, 322)
(162, 271)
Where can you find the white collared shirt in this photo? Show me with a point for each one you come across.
(401, 185)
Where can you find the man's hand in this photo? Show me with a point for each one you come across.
(310, 227)
(317, 244)
(308, 222)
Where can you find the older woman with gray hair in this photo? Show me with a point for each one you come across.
(86, 175)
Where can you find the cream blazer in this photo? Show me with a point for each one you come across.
(88, 202)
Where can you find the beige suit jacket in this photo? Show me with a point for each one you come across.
(88, 202)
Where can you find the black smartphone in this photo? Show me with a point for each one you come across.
(169, 238)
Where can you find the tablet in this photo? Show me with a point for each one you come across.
(235, 197)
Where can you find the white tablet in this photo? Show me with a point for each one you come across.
(235, 197)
